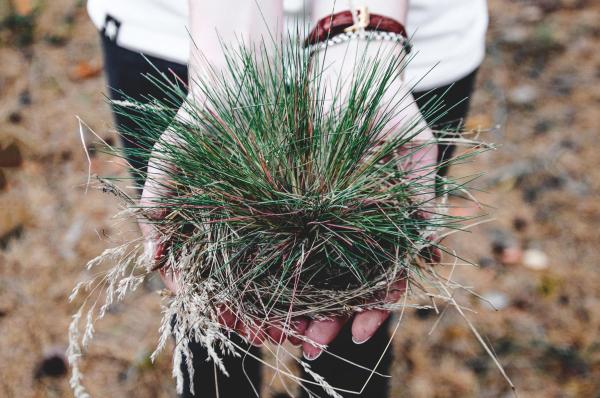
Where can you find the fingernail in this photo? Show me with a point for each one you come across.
(359, 342)
(312, 357)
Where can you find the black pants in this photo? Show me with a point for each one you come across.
(124, 69)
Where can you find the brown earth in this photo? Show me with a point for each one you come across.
(538, 97)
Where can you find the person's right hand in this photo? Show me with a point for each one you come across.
(158, 186)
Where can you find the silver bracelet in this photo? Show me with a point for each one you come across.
(364, 35)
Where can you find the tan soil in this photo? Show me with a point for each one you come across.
(540, 83)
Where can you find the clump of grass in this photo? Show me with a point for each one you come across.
(286, 197)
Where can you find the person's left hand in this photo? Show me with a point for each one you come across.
(340, 61)
(366, 323)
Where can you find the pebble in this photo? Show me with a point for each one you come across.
(486, 262)
(535, 259)
(511, 255)
(532, 13)
(523, 95)
(15, 117)
(563, 84)
(10, 156)
(516, 35)
(424, 313)
(505, 247)
(53, 364)
(25, 98)
(496, 300)
(520, 223)
(85, 70)
(501, 239)
(542, 126)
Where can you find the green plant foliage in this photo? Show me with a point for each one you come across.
(283, 190)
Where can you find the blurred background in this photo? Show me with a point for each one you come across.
(537, 97)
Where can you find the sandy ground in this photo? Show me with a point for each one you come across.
(537, 97)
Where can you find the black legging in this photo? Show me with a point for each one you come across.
(124, 69)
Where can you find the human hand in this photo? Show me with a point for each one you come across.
(158, 187)
(418, 159)
(366, 323)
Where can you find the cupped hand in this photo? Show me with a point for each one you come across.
(420, 164)
(418, 158)
(158, 187)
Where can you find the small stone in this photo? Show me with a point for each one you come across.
(54, 364)
(521, 303)
(15, 117)
(84, 70)
(496, 300)
(542, 126)
(515, 36)
(568, 143)
(479, 365)
(520, 224)
(56, 39)
(424, 313)
(511, 255)
(500, 240)
(524, 95)
(122, 376)
(532, 13)
(563, 84)
(10, 156)
(535, 259)
(25, 98)
(564, 299)
(486, 262)
(66, 155)
(13, 234)
(505, 247)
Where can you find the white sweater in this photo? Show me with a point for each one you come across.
(448, 35)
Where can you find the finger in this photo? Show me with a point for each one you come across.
(227, 318)
(298, 326)
(395, 291)
(366, 323)
(321, 332)
(251, 332)
(275, 334)
(255, 335)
